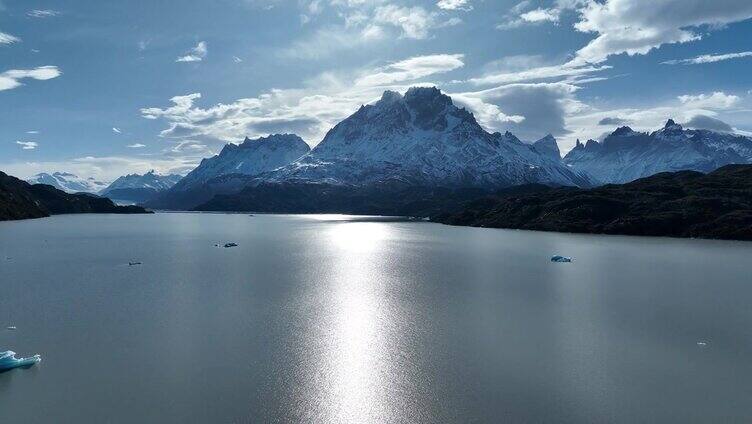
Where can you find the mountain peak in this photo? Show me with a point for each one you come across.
(390, 96)
(669, 123)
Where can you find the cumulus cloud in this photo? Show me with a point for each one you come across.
(715, 101)
(705, 122)
(415, 22)
(638, 26)
(309, 111)
(27, 145)
(522, 14)
(42, 13)
(197, 54)
(454, 5)
(707, 58)
(136, 146)
(12, 78)
(529, 110)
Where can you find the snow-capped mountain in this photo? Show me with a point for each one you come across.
(229, 170)
(422, 138)
(68, 182)
(251, 157)
(626, 155)
(547, 146)
(150, 180)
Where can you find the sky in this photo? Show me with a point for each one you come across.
(104, 88)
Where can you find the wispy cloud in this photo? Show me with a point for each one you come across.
(708, 58)
(136, 146)
(6, 38)
(42, 13)
(12, 78)
(412, 69)
(116, 130)
(27, 145)
(197, 54)
(32, 132)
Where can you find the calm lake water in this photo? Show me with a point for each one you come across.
(335, 319)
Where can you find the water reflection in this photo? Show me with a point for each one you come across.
(355, 355)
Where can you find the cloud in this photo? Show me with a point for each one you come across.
(521, 14)
(136, 146)
(27, 145)
(309, 111)
(412, 69)
(197, 54)
(116, 130)
(613, 121)
(105, 168)
(327, 41)
(454, 5)
(236, 59)
(415, 22)
(528, 110)
(585, 123)
(32, 132)
(708, 123)
(715, 101)
(12, 78)
(638, 26)
(42, 13)
(538, 73)
(6, 38)
(707, 58)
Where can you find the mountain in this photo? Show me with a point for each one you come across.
(68, 182)
(423, 139)
(626, 155)
(678, 204)
(227, 171)
(21, 200)
(139, 188)
(419, 146)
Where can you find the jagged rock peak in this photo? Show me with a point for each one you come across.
(622, 131)
(669, 123)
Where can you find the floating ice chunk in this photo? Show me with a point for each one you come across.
(558, 258)
(231, 244)
(702, 344)
(9, 361)
(10, 327)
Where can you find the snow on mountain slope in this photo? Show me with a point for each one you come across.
(251, 157)
(422, 138)
(150, 180)
(68, 182)
(626, 155)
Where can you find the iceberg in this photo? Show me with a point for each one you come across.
(9, 361)
(559, 258)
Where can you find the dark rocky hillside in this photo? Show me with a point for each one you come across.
(21, 200)
(678, 204)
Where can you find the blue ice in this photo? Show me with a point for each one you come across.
(558, 258)
(9, 361)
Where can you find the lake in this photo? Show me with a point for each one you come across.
(336, 319)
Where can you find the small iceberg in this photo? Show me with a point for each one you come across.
(10, 327)
(702, 343)
(231, 244)
(559, 258)
(8, 361)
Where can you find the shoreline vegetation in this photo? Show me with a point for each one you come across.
(686, 204)
(21, 200)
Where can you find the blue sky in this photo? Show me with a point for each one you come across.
(106, 88)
